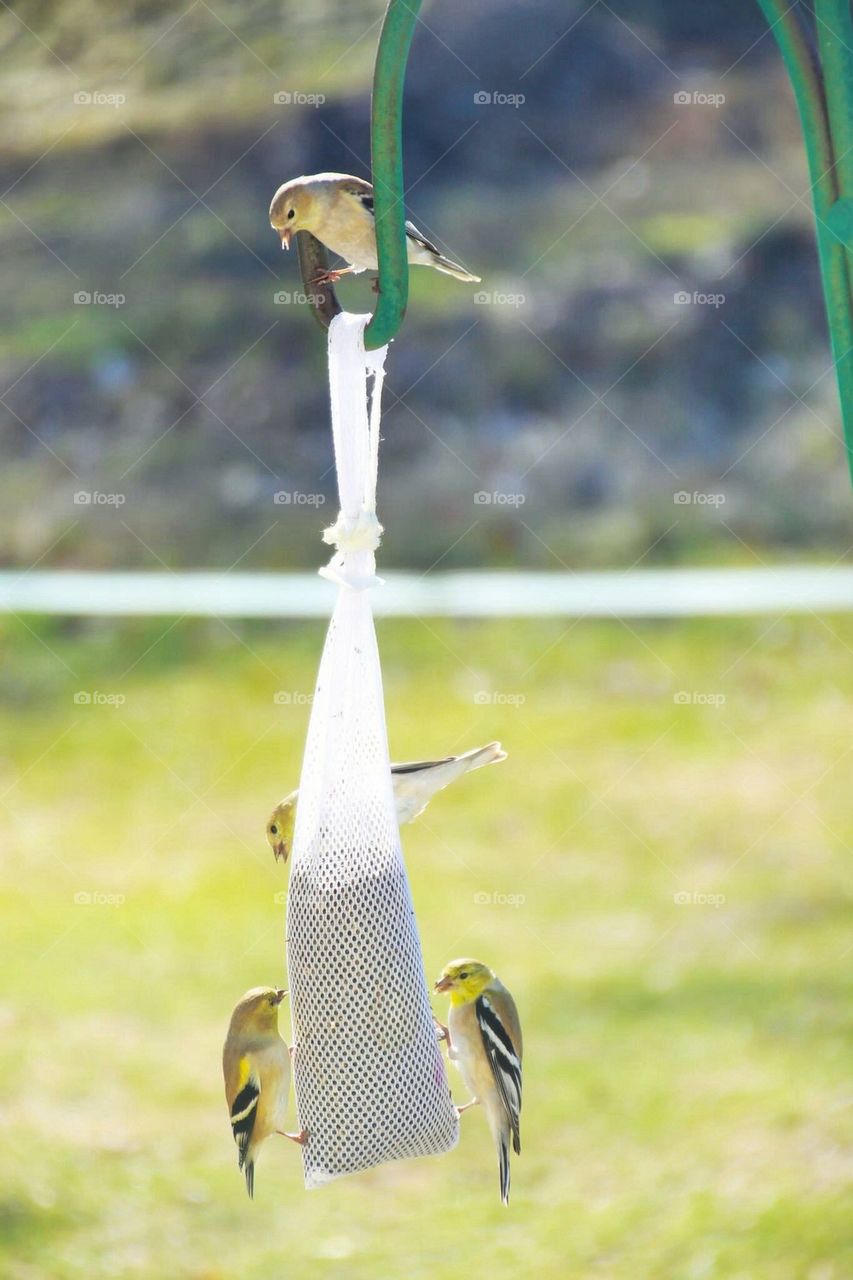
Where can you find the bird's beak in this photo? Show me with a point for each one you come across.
(281, 992)
(285, 237)
(443, 984)
(280, 851)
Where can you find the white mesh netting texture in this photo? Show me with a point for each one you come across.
(368, 1073)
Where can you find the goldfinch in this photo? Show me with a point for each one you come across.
(256, 1065)
(338, 209)
(483, 1037)
(414, 786)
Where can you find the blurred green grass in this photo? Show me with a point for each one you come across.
(687, 1063)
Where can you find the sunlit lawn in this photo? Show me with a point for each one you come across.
(686, 1075)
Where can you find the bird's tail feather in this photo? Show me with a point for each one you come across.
(451, 268)
(249, 1170)
(415, 784)
(503, 1158)
(491, 753)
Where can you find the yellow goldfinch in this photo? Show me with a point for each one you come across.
(256, 1065)
(414, 786)
(338, 209)
(483, 1036)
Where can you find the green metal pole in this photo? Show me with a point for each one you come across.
(835, 42)
(386, 138)
(823, 94)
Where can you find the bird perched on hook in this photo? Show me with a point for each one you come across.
(338, 209)
(256, 1065)
(414, 786)
(483, 1036)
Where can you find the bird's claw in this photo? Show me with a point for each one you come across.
(441, 1031)
(327, 277)
(299, 1138)
(466, 1106)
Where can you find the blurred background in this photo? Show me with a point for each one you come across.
(660, 869)
(633, 192)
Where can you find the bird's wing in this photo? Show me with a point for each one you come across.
(362, 190)
(500, 1031)
(416, 783)
(364, 193)
(420, 238)
(244, 1109)
(416, 766)
(474, 759)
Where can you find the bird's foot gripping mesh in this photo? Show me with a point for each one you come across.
(369, 1077)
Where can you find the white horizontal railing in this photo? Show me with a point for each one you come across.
(639, 593)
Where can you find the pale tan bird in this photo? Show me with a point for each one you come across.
(414, 786)
(256, 1066)
(483, 1036)
(338, 210)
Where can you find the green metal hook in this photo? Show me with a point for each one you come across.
(823, 89)
(386, 155)
(386, 135)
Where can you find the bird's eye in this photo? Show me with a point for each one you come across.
(274, 830)
(291, 213)
(463, 976)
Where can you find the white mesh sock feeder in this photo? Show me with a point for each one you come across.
(369, 1076)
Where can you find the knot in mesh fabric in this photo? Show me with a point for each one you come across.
(355, 533)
